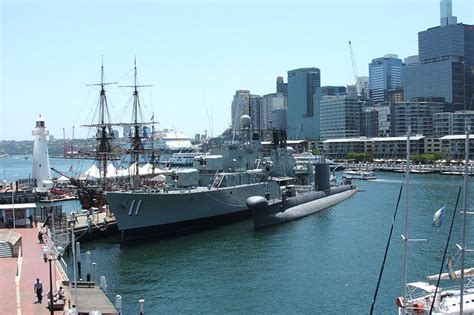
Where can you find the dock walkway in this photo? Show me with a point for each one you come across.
(18, 296)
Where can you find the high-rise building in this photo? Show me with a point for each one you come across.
(303, 103)
(269, 103)
(279, 120)
(369, 122)
(281, 87)
(385, 74)
(255, 102)
(395, 118)
(416, 115)
(331, 90)
(448, 123)
(340, 117)
(446, 62)
(240, 106)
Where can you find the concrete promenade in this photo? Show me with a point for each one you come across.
(18, 296)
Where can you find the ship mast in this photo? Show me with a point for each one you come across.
(104, 131)
(137, 146)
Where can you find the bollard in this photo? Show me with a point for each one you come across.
(141, 302)
(78, 258)
(73, 310)
(118, 304)
(88, 262)
(93, 272)
(103, 284)
(78, 251)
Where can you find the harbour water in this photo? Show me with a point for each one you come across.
(327, 263)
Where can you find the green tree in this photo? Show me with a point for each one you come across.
(359, 156)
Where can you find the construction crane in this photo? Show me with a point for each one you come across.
(354, 70)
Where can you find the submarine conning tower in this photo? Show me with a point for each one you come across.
(322, 176)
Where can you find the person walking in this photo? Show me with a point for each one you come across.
(40, 237)
(39, 290)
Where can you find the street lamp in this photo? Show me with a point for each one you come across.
(49, 254)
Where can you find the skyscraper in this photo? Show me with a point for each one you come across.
(303, 103)
(269, 103)
(255, 102)
(281, 87)
(240, 106)
(446, 62)
(385, 74)
(340, 117)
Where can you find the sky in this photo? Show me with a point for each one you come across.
(195, 54)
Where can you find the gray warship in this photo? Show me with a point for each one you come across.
(211, 193)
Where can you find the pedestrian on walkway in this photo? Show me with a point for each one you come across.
(40, 237)
(39, 290)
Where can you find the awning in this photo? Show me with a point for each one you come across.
(423, 286)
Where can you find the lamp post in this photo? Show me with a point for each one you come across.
(48, 256)
(51, 301)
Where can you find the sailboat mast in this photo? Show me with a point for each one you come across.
(137, 145)
(104, 145)
(405, 235)
(464, 219)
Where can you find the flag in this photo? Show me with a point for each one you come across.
(70, 169)
(152, 117)
(449, 266)
(438, 217)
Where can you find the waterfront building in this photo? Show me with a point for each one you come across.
(340, 117)
(416, 115)
(395, 147)
(340, 148)
(395, 118)
(448, 123)
(445, 61)
(432, 145)
(240, 106)
(303, 103)
(378, 147)
(385, 74)
(281, 86)
(455, 145)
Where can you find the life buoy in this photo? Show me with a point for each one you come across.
(419, 307)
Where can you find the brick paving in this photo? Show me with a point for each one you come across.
(33, 267)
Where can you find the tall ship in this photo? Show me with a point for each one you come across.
(211, 193)
(116, 165)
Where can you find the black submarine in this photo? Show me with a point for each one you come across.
(293, 205)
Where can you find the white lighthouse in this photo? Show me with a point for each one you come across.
(41, 173)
